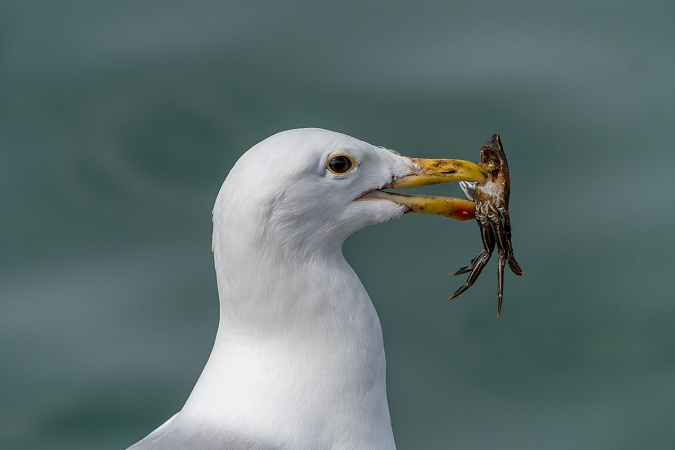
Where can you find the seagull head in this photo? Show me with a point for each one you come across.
(312, 188)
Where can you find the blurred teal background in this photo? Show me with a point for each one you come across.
(120, 120)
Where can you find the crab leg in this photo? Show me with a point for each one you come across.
(500, 282)
(513, 264)
(499, 233)
(478, 262)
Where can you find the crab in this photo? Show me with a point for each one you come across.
(492, 214)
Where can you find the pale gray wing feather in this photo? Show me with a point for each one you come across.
(172, 436)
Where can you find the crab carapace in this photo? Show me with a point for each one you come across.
(492, 214)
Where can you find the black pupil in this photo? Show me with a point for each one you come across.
(340, 164)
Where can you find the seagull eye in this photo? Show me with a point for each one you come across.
(340, 164)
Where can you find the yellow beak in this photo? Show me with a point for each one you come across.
(434, 171)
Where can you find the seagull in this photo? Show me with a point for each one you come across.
(298, 361)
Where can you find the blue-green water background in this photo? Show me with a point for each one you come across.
(119, 120)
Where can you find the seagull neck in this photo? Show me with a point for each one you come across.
(298, 354)
(281, 295)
